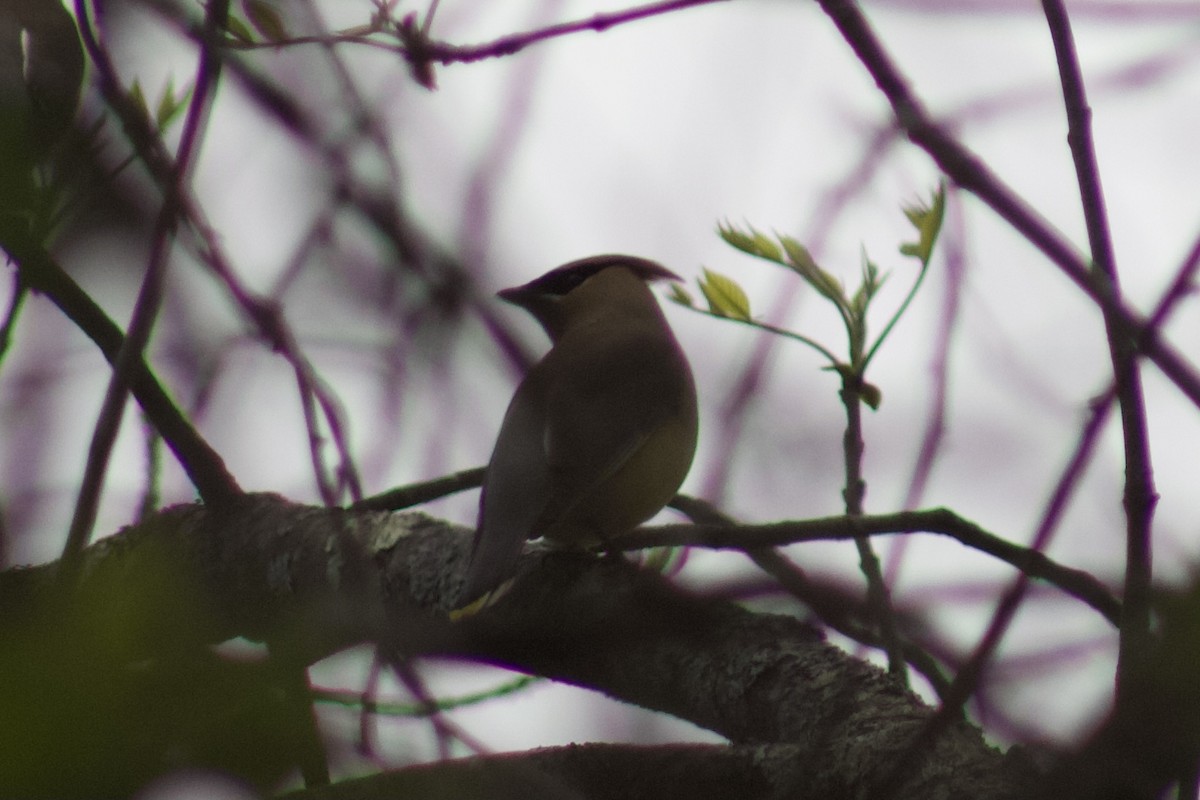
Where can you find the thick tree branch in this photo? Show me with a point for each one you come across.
(313, 581)
(695, 772)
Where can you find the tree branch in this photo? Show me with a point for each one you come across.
(1140, 495)
(312, 581)
(203, 465)
(1076, 583)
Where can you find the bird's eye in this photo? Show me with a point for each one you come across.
(563, 281)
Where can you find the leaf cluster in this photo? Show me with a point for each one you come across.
(725, 298)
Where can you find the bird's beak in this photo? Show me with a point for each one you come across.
(512, 295)
(517, 295)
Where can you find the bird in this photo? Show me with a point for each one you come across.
(599, 434)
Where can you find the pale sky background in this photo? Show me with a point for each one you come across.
(640, 140)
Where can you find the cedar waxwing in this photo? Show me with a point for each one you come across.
(600, 433)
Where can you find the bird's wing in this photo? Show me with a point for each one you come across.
(600, 414)
(515, 490)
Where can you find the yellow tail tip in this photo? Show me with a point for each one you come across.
(480, 603)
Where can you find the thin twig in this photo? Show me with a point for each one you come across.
(971, 673)
(444, 53)
(203, 465)
(954, 259)
(148, 302)
(262, 313)
(856, 487)
(418, 493)
(1140, 495)
(969, 172)
(1077, 583)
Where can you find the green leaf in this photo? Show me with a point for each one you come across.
(138, 97)
(681, 295)
(238, 30)
(752, 242)
(870, 274)
(725, 298)
(765, 247)
(927, 219)
(266, 20)
(802, 262)
(170, 104)
(860, 301)
(166, 104)
(798, 257)
(828, 285)
(872, 280)
(735, 238)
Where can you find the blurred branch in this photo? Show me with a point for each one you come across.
(399, 708)
(420, 50)
(971, 673)
(508, 45)
(969, 172)
(148, 303)
(1183, 286)
(263, 313)
(1140, 496)
(200, 461)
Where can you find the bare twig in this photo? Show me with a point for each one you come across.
(418, 48)
(971, 673)
(1140, 496)
(418, 493)
(149, 298)
(877, 591)
(1074, 582)
(203, 465)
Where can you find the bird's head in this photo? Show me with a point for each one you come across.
(589, 287)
